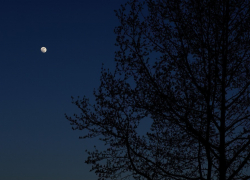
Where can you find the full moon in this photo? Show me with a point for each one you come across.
(43, 49)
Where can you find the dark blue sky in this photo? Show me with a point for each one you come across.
(36, 140)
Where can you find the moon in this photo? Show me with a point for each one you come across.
(43, 49)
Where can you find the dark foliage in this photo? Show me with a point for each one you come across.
(183, 64)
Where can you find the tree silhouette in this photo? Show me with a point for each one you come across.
(184, 64)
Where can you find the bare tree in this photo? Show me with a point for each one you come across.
(185, 65)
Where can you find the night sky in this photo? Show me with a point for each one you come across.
(36, 140)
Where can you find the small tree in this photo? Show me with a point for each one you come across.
(185, 65)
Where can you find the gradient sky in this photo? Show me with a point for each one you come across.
(36, 140)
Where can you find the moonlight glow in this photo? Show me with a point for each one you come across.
(43, 49)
